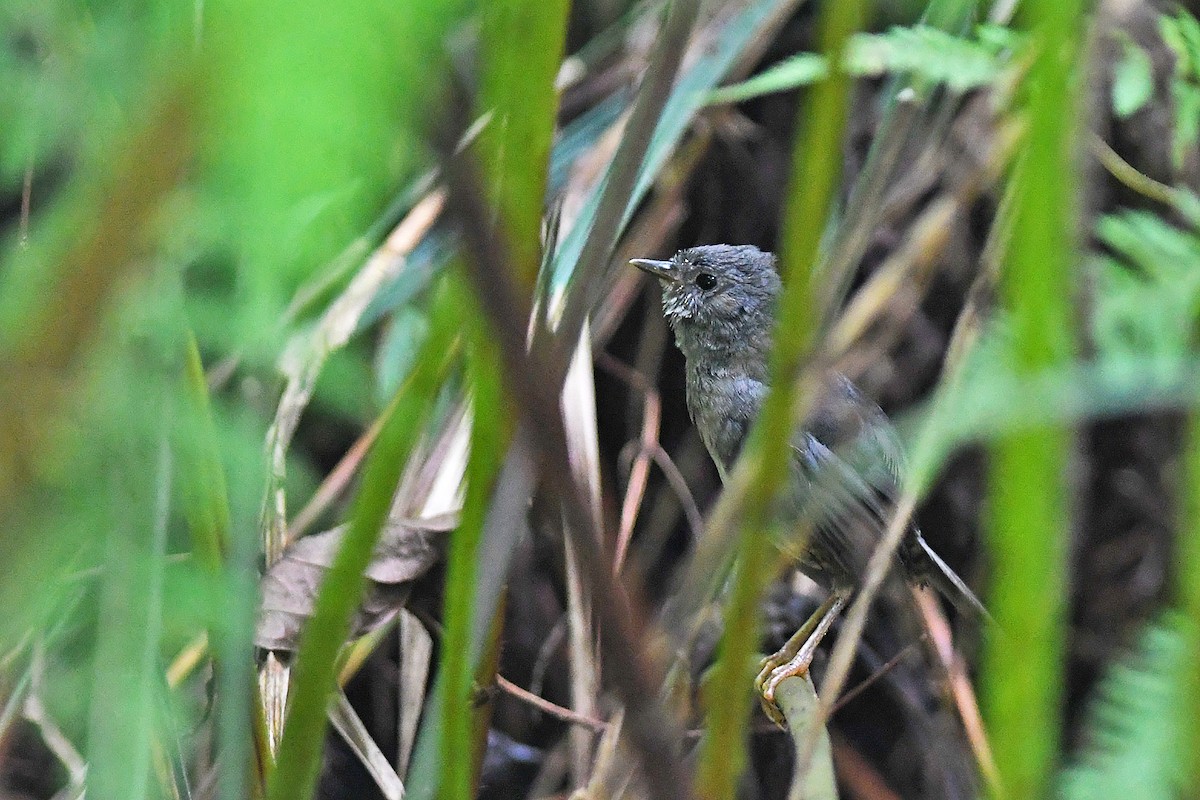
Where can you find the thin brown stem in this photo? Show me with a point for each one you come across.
(544, 705)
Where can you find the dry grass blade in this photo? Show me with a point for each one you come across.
(648, 448)
(306, 355)
(579, 421)
(33, 710)
(610, 777)
(960, 689)
(585, 661)
(416, 652)
(355, 734)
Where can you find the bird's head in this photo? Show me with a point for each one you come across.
(717, 294)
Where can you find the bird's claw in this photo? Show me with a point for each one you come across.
(773, 670)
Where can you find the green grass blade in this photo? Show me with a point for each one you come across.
(1027, 489)
(127, 681)
(815, 170)
(523, 47)
(799, 70)
(229, 564)
(206, 497)
(490, 428)
(1188, 710)
(300, 749)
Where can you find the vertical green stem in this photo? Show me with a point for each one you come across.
(490, 430)
(523, 47)
(295, 775)
(1189, 599)
(1027, 495)
(816, 168)
(126, 666)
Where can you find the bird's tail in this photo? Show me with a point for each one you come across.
(952, 587)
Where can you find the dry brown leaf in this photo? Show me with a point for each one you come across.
(406, 550)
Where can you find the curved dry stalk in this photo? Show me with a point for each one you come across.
(639, 472)
(552, 709)
(305, 356)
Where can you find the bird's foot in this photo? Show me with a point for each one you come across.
(785, 663)
(795, 657)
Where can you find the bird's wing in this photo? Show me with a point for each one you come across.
(848, 511)
(851, 425)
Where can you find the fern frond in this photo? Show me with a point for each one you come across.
(927, 53)
(1134, 724)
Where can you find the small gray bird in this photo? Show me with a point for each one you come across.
(720, 302)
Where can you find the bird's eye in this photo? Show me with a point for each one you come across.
(706, 281)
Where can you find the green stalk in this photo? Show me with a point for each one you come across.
(523, 48)
(299, 758)
(1027, 496)
(816, 167)
(1189, 599)
(490, 432)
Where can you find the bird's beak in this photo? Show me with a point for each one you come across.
(663, 270)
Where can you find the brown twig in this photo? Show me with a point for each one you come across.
(639, 472)
(553, 709)
(891, 664)
(679, 485)
(1127, 174)
(938, 629)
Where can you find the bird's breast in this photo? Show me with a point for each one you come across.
(723, 404)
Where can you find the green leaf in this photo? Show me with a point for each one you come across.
(921, 50)
(1187, 120)
(1145, 302)
(799, 70)
(927, 52)
(402, 338)
(1134, 726)
(1133, 79)
(1182, 35)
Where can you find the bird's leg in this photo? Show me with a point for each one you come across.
(794, 658)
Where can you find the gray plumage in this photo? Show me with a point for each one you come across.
(846, 467)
